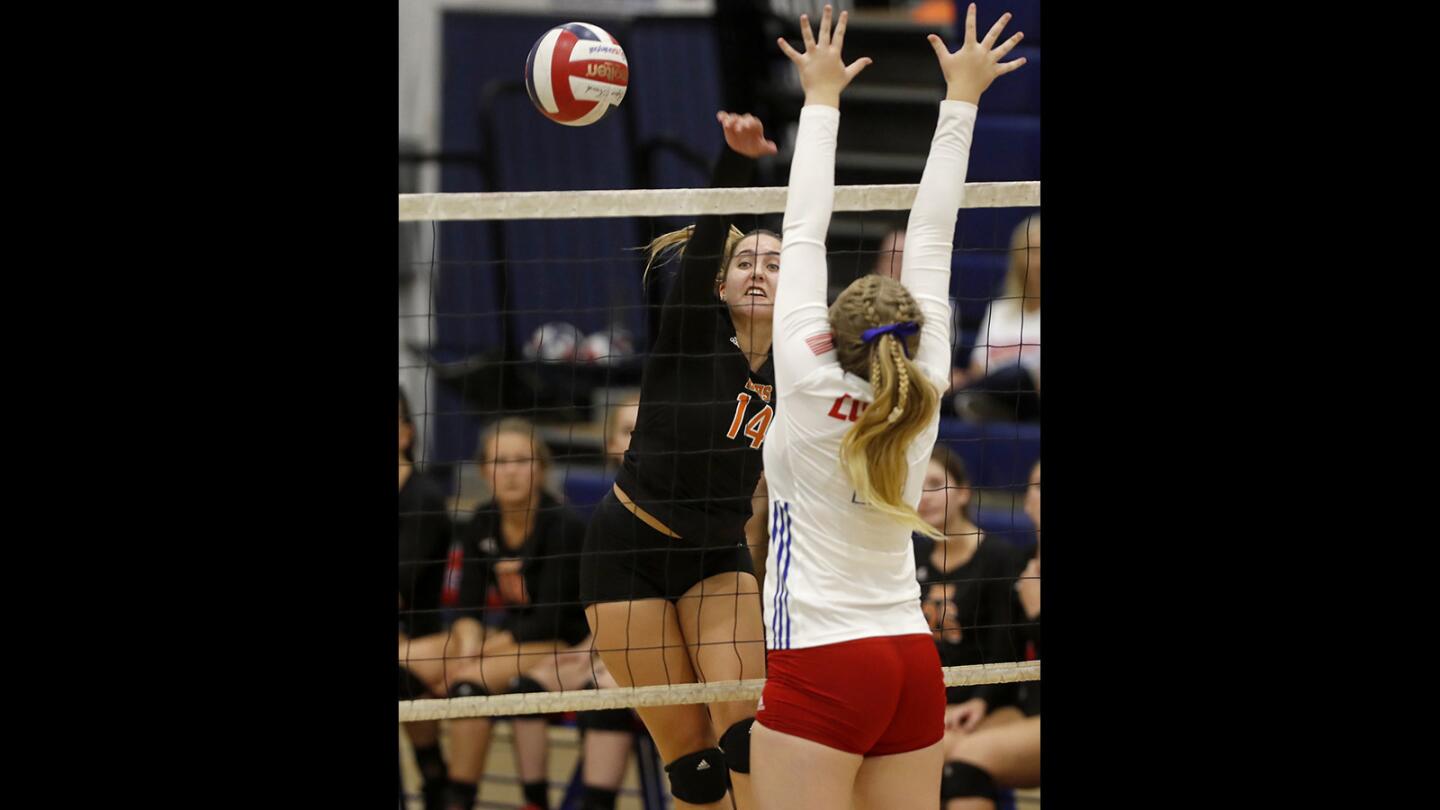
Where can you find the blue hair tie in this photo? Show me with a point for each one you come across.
(902, 329)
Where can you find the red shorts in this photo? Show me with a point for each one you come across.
(870, 696)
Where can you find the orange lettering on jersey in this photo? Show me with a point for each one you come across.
(758, 426)
(763, 390)
(744, 399)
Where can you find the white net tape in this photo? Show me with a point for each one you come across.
(686, 202)
(671, 695)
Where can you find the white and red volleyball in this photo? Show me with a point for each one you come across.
(576, 74)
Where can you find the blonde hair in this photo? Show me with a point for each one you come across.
(874, 450)
(1019, 264)
(673, 243)
(540, 452)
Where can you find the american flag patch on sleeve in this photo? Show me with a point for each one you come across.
(821, 343)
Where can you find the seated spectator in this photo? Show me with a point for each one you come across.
(1003, 382)
(887, 263)
(521, 553)
(890, 254)
(425, 538)
(966, 583)
(1003, 754)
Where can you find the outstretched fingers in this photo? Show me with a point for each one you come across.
(855, 67)
(994, 33)
(1006, 67)
(938, 45)
(999, 53)
(790, 53)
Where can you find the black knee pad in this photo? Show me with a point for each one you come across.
(467, 689)
(699, 778)
(961, 779)
(411, 687)
(736, 745)
(522, 685)
(605, 720)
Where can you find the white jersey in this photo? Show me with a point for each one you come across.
(838, 570)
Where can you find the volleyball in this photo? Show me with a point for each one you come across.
(576, 74)
(544, 375)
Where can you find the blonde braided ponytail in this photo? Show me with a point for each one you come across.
(875, 449)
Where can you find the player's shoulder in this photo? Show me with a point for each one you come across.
(934, 365)
(829, 380)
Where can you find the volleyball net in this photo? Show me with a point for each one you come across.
(535, 318)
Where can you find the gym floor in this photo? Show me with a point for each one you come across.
(501, 786)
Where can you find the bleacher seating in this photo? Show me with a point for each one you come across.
(580, 271)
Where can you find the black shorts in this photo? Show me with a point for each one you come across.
(420, 626)
(1030, 698)
(625, 559)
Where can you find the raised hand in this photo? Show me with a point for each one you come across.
(823, 74)
(745, 134)
(970, 70)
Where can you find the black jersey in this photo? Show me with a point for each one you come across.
(695, 454)
(424, 543)
(550, 569)
(980, 596)
(1029, 691)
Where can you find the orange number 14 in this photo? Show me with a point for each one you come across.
(757, 425)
